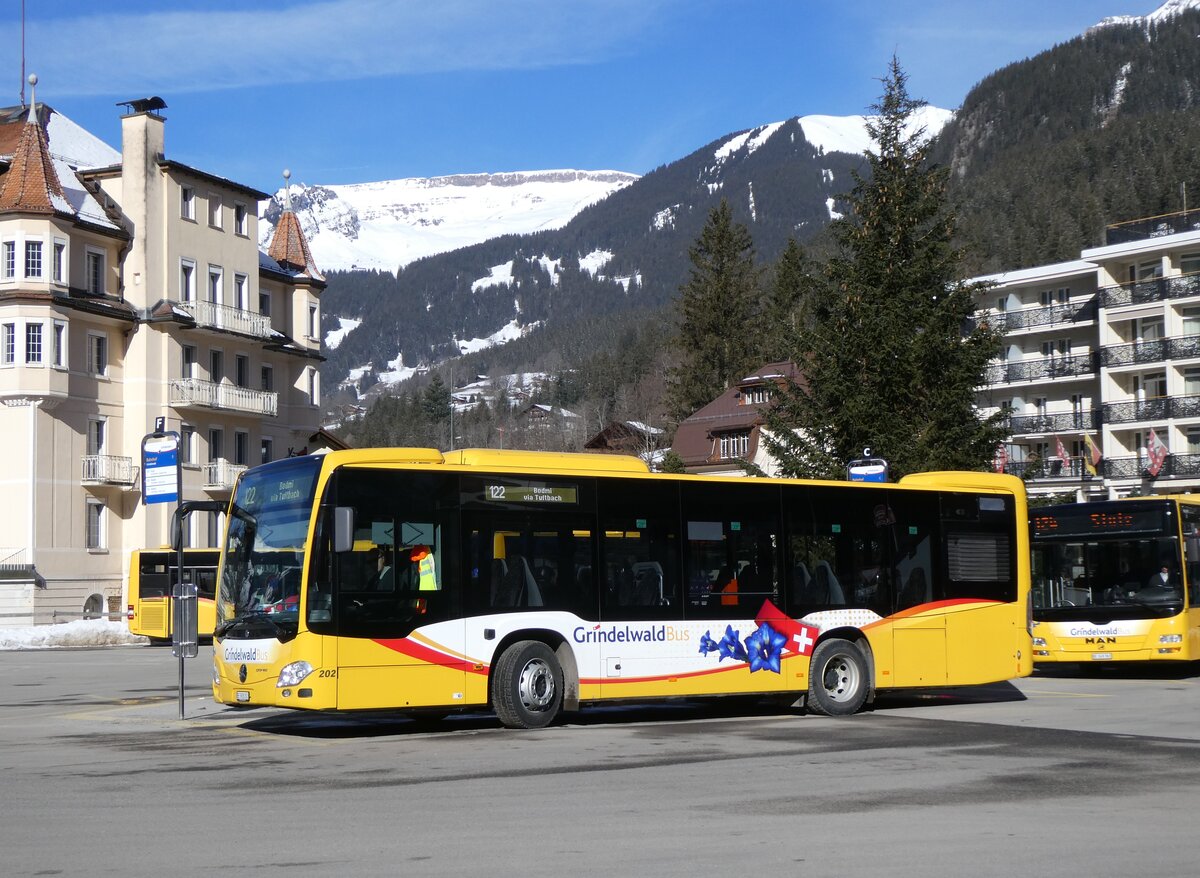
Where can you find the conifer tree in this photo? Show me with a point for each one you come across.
(716, 344)
(782, 306)
(885, 360)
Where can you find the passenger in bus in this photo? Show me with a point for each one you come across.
(1161, 579)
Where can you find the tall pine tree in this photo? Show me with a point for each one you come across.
(885, 360)
(716, 344)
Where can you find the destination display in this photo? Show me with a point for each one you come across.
(530, 494)
(1116, 518)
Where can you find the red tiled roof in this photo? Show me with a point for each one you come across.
(31, 184)
(290, 248)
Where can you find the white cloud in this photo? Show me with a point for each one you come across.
(131, 53)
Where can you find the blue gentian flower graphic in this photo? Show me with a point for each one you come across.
(731, 646)
(707, 644)
(765, 646)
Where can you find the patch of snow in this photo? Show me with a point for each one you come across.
(1169, 9)
(849, 133)
(397, 371)
(334, 337)
(510, 331)
(499, 275)
(81, 632)
(665, 218)
(552, 267)
(753, 211)
(594, 261)
(833, 214)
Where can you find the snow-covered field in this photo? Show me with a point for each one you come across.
(82, 632)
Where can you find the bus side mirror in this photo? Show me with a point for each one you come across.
(343, 528)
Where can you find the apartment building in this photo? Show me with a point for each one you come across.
(1099, 376)
(132, 288)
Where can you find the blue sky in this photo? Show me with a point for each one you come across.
(343, 91)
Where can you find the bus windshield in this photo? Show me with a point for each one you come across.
(1099, 559)
(264, 550)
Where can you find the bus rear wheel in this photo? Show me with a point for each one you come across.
(527, 686)
(837, 678)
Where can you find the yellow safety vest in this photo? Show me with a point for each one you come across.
(425, 573)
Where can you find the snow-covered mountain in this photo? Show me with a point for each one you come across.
(1169, 9)
(388, 224)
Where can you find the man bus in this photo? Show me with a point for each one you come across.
(1117, 581)
(531, 583)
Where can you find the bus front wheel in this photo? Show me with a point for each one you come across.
(837, 678)
(527, 686)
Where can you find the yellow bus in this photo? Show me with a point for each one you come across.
(1117, 580)
(532, 583)
(151, 579)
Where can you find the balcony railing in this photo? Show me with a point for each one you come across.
(214, 316)
(1175, 465)
(1054, 422)
(229, 397)
(1154, 290)
(1041, 368)
(1156, 351)
(1046, 315)
(220, 474)
(1047, 468)
(1152, 227)
(106, 469)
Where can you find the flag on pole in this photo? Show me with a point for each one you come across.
(1001, 460)
(1061, 450)
(1156, 450)
(1092, 455)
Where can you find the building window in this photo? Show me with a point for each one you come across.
(214, 285)
(10, 260)
(214, 530)
(95, 436)
(187, 202)
(59, 352)
(1193, 440)
(268, 378)
(239, 292)
(8, 344)
(97, 354)
(240, 226)
(313, 387)
(241, 448)
(187, 361)
(187, 281)
(95, 536)
(1189, 263)
(216, 444)
(264, 303)
(268, 450)
(241, 370)
(313, 322)
(216, 365)
(95, 272)
(734, 445)
(214, 210)
(33, 344)
(187, 444)
(60, 262)
(33, 259)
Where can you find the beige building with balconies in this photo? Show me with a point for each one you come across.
(132, 288)
(1105, 348)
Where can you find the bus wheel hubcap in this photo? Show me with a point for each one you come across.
(840, 678)
(536, 685)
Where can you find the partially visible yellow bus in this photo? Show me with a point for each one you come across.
(532, 583)
(1117, 580)
(151, 579)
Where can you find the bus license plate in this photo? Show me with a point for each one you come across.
(1096, 657)
(243, 696)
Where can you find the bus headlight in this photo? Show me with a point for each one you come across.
(1039, 641)
(1171, 638)
(292, 674)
